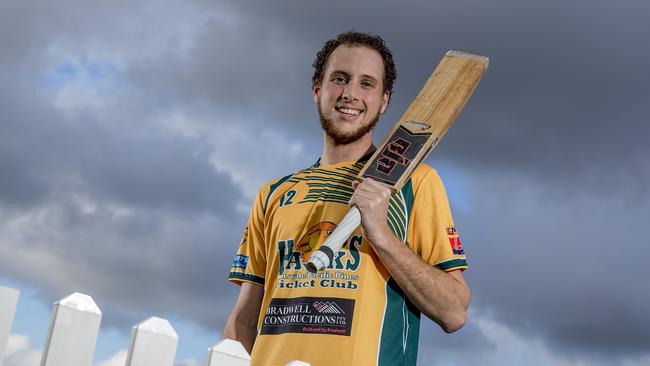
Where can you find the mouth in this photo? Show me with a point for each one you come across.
(352, 112)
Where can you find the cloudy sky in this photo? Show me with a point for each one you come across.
(134, 134)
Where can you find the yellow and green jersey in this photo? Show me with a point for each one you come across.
(352, 313)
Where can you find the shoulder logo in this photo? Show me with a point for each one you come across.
(240, 261)
(454, 241)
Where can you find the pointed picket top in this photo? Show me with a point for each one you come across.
(157, 325)
(80, 302)
(232, 347)
(297, 363)
(153, 342)
(228, 352)
(73, 331)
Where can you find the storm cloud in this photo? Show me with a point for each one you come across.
(133, 137)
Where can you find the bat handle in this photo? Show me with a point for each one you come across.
(322, 258)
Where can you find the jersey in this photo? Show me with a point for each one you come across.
(353, 312)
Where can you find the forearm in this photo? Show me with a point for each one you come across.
(441, 296)
(242, 322)
(242, 330)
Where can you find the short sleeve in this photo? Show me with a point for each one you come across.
(249, 263)
(432, 233)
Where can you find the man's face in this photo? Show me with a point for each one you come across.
(351, 95)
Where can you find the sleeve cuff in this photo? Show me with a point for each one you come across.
(238, 278)
(452, 264)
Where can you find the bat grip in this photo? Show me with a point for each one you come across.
(322, 258)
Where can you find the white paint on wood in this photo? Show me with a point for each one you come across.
(228, 353)
(73, 332)
(153, 342)
(8, 301)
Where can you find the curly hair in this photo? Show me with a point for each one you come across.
(352, 38)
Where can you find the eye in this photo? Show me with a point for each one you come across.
(339, 80)
(367, 84)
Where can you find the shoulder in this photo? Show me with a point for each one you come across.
(425, 174)
(275, 183)
(273, 187)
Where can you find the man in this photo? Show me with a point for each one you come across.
(405, 258)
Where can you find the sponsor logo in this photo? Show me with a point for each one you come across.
(454, 240)
(240, 261)
(328, 308)
(419, 124)
(392, 155)
(309, 315)
(456, 246)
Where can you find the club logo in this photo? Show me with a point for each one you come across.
(314, 238)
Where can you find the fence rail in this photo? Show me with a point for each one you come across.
(74, 327)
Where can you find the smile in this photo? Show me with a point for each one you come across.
(349, 111)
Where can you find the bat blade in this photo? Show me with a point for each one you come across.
(417, 132)
(427, 119)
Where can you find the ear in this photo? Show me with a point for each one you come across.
(384, 102)
(315, 91)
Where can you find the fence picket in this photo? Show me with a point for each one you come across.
(74, 327)
(73, 332)
(8, 301)
(153, 342)
(228, 352)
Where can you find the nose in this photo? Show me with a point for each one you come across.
(350, 92)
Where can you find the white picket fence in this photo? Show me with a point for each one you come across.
(74, 327)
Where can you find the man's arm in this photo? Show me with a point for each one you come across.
(242, 322)
(442, 296)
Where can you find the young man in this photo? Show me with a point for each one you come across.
(404, 259)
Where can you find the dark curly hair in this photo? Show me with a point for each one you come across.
(356, 39)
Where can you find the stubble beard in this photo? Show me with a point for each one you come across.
(342, 138)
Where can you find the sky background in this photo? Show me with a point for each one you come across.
(134, 134)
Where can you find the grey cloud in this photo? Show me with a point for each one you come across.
(553, 148)
(566, 269)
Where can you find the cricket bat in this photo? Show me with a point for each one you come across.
(416, 133)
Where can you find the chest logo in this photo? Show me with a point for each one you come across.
(314, 238)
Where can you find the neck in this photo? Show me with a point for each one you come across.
(334, 154)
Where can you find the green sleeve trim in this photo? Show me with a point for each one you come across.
(237, 276)
(452, 263)
(407, 192)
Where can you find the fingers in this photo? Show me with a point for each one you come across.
(369, 193)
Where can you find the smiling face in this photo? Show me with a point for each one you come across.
(351, 96)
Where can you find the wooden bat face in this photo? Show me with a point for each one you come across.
(427, 119)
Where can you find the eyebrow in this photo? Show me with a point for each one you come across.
(365, 76)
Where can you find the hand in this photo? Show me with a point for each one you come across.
(372, 199)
